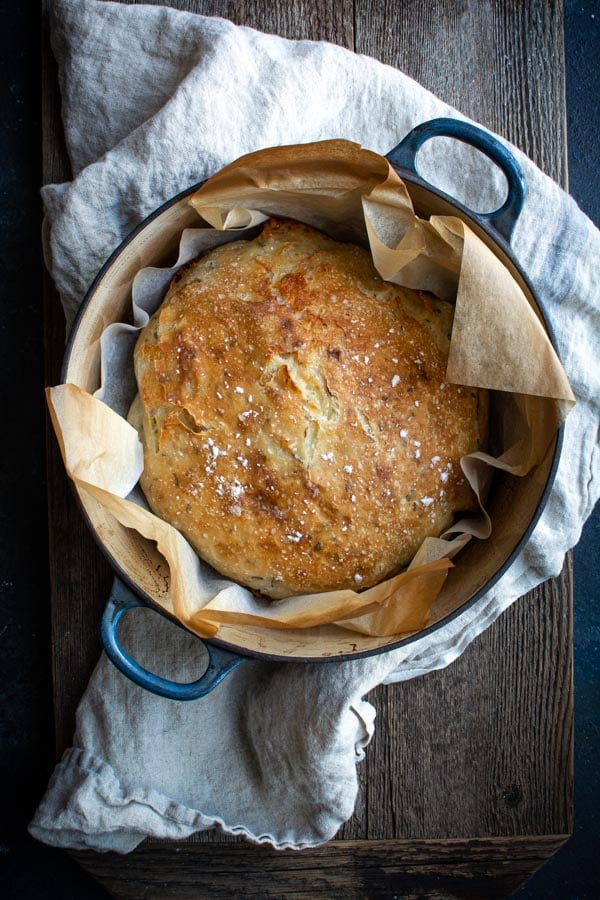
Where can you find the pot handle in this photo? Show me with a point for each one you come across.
(503, 220)
(220, 662)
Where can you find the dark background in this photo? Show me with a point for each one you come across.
(29, 869)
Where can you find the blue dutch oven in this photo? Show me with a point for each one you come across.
(142, 580)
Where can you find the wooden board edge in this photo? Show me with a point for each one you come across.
(457, 867)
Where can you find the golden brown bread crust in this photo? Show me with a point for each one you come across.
(296, 424)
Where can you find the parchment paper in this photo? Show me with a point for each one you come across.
(497, 343)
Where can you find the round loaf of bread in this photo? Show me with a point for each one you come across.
(296, 424)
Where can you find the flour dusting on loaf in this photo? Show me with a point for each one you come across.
(296, 425)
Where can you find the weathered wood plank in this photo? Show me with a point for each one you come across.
(315, 20)
(501, 63)
(475, 868)
(79, 574)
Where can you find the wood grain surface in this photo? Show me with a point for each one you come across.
(352, 869)
(481, 750)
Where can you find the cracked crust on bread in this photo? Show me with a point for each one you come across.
(296, 424)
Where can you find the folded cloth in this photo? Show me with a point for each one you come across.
(272, 753)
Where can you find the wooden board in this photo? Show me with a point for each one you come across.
(363, 869)
(467, 785)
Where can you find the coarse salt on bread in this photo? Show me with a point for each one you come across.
(296, 424)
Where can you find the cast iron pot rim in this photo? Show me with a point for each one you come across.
(497, 238)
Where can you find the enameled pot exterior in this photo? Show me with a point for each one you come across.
(136, 561)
